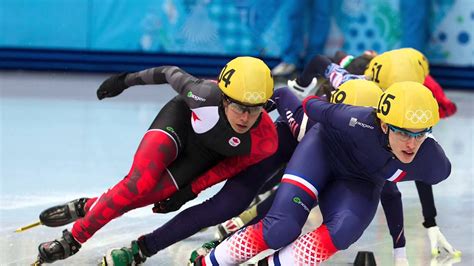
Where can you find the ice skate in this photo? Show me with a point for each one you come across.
(63, 214)
(202, 251)
(58, 249)
(228, 227)
(124, 256)
(400, 257)
(303, 92)
(59, 215)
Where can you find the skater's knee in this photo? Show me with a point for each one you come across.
(280, 233)
(342, 243)
(346, 230)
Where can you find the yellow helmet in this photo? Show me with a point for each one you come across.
(394, 66)
(358, 92)
(418, 57)
(408, 105)
(247, 80)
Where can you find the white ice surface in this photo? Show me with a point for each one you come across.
(59, 143)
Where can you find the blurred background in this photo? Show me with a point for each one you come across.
(201, 35)
(57, 142)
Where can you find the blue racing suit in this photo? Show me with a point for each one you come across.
(343, 161)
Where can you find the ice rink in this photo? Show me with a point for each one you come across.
(58, 142)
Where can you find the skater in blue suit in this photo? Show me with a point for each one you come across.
(342, 164)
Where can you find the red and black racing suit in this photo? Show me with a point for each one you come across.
(190, 142)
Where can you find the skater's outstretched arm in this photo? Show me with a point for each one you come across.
(182, 82)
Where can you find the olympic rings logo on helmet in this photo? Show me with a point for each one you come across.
(254, 97)
(247, 80)
(418, 116)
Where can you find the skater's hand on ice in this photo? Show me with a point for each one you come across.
(112, 86)
(175, 202)
(438, 241)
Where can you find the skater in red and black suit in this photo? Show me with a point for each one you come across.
(209, 132)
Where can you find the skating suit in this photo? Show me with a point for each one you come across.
(341, 163)
(240, 190)
(190, 142)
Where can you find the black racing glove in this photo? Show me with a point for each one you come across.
(112, 86)
(175, 202)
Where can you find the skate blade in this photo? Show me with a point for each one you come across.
(102, 262)
(26, 227)
(38, 262)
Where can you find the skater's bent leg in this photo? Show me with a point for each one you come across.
(306, 173)
(289, 212)
(156, 151)
(232, 199)
(347, 207)
(260, 210)
(280, 226)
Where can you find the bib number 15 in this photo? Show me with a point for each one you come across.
(385, 104)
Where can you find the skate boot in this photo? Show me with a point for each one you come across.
(58, 249)
(201, 252)
(63, 214)
(228, 227)
(300, 91)
(125, 256)
(400, 257)
(200, 261)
